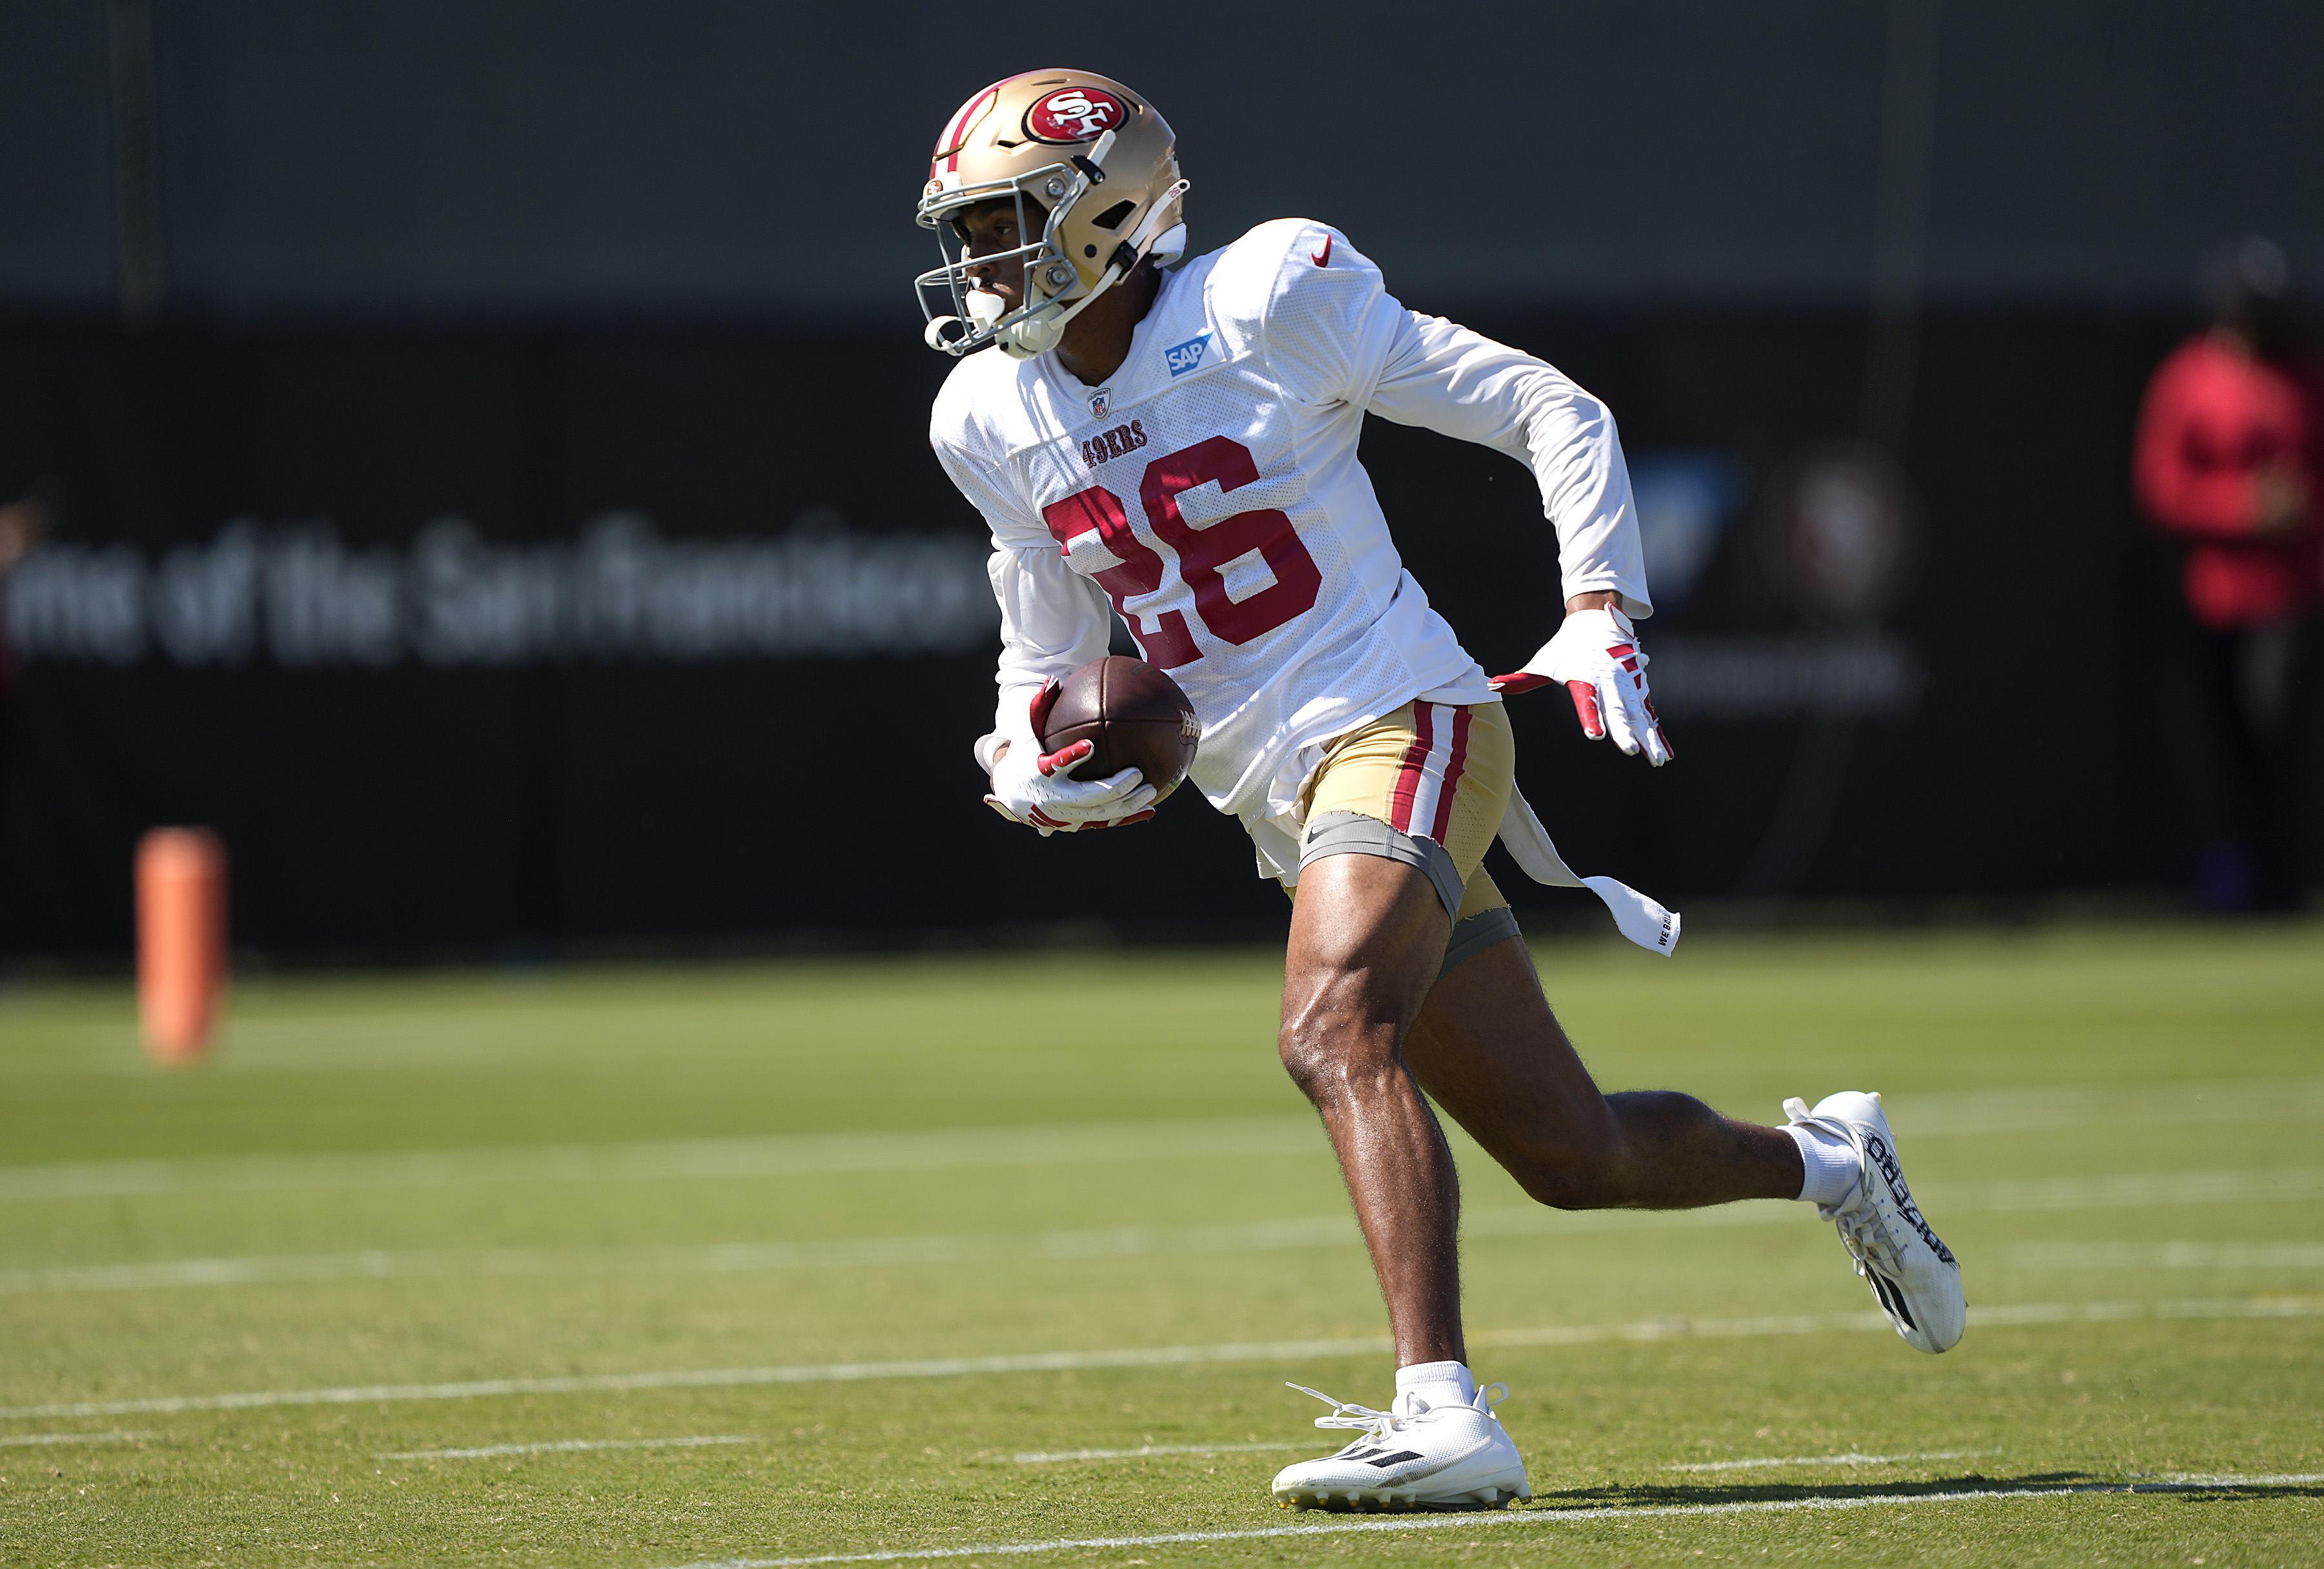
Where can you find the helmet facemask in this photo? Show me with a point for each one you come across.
(1053, 290)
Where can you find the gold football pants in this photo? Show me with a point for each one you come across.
(1425, 785)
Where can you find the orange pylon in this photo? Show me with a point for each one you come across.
(180, 939)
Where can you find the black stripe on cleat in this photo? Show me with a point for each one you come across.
(1892, 1298)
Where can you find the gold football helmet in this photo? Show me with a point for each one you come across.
(1085, 152)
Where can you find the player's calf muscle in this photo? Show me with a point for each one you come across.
(1648, 1149)
(1591, 1166)
(1488, 1050)
(1690, 1156)
(1658, 1149)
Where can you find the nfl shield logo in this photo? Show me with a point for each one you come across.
(1100, 401)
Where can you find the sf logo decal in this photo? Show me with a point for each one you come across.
(1074, 114)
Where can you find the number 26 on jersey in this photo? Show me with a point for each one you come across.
(1202, 552)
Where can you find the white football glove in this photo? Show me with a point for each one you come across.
(1596, 654)
(1039, 791)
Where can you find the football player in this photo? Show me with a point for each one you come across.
(1176, 440)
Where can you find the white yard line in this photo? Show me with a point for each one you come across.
(719, 1159)
(16, 1438)
(1038, 1458)
(2037, 1108)
(724, 1378)
(1170, 1356)
(1505, 1518)
(713, 1257)
(1830, 1460)
(2143, 1190)
(1970, 1114)
(260, 1269)
(2190, 1479)
(2168, 1255)
(1249, 1236)
(572, 1446)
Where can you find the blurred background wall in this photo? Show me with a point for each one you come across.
(483, 445)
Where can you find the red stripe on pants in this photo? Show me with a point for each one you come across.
(1415, 766)
(1452, 775)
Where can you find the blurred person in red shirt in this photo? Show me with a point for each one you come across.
(2230, 459)
(22, 524)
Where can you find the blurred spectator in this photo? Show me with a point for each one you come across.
(2230, 458)
(22, 524)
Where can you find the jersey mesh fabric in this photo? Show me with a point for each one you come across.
(1251, 373)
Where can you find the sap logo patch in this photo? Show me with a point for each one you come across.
(1188, 355)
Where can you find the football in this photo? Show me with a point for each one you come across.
(1134, 717)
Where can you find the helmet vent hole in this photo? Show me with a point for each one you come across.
(1112, 217)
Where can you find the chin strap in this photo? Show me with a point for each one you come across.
(1040, 330)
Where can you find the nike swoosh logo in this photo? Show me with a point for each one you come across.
(1323, 255)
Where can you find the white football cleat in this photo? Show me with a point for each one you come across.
(1412, 1456)
(1909, 1270)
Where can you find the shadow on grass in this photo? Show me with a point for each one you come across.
(1972, 1482)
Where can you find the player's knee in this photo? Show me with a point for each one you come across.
(1309, 1059)
(1323, 1061)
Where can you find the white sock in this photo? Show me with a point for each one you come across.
(1438, 1383)
(1832, 1164)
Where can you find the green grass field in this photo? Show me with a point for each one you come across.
(914, 1257)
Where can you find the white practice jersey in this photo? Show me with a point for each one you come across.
(1210, 490)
